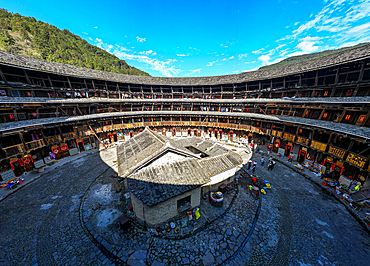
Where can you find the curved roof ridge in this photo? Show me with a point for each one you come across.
(309, 65)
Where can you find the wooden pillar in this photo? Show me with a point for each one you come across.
(342, 116)
(51, 83)
(317, 78)
(361, 75)
(27, 78)
(15, 115)
(337, 76)
(322, 113)
(2, 76)
(69, 83)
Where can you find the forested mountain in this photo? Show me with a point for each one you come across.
(305, 57)
(26, 36)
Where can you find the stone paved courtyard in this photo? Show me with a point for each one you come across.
(68, 217)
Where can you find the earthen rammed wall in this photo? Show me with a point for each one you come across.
(163, 211)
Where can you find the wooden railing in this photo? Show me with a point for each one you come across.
(69, 135)
(356, 159)
(302, 140)
(318, 145)
(52, 139)
(85, 133)
(14, 150)
(336, 151)
(34, 144)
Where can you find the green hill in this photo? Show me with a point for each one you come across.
(26, 36)
(305, 57)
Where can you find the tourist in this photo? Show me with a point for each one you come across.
(254, 168)
(262, 161)
(290, 159)
(273, 164)
(269, 146)
(249, 164)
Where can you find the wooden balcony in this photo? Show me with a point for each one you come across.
(85, 133)
(139, 124)
(245, 127)
(318, 145)
(356, 159)
(288, 136)
(277, 133)
(336, 151)
(118, 127)
(52, 139)
(98, 129)
(107, 128)
(32, 145)
(14, 150)
(302, 140)
(69, 135)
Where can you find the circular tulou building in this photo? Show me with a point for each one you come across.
(317, 111)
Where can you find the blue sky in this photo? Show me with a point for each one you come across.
(206, 38)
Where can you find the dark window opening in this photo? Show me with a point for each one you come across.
(183, 202)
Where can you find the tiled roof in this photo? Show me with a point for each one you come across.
(362, 99)
(155, 183)
(69, 70)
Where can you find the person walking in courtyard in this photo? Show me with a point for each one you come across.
(254, 168)
(273, 164)
(262, 161)
(269, 166)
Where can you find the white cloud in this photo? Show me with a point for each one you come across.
(340, 23)
(227, 44)
(258, 51)
(95, 27)
(85, 33)
(147, 52)
(211, 63)
(182, 54)
(265, 59)
(140, 39)
(240, 56)
(307, 44)
(193, 71)
(252, 69)
(250, 62)
(229, 58)
(196, 49)
(360, 29)
(165, 67)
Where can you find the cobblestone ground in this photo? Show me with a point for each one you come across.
(40, 223)
(199, 242)
(298, 224)
(315, 229)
